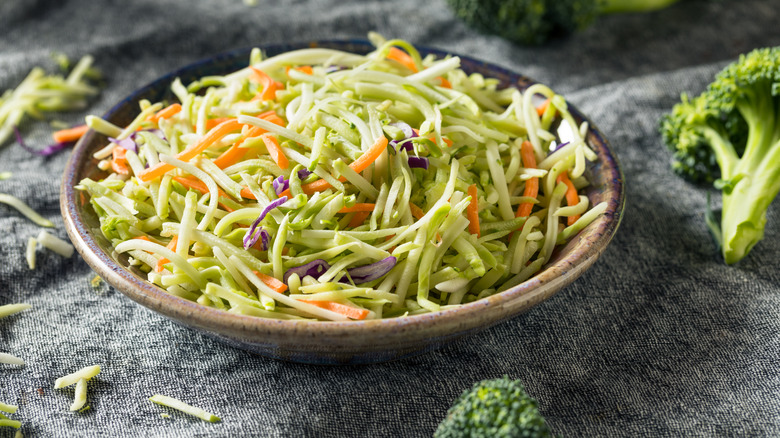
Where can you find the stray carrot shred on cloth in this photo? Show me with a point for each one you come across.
(70, 135)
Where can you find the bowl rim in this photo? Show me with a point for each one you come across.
(540, 287)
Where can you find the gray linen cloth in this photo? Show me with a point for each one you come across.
(659, 338)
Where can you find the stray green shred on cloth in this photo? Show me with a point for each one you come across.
(184, 407)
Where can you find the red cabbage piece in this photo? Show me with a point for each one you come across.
(418, 162)
(366, 273)
(314, 268)
(280, 184)
(558, 146)
(253, 234)
(126, 143)
(46, 151)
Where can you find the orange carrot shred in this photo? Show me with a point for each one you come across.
(364, 206)
(358, 219)
(348, 311)
(119, 161)
(417, 212)
(162, 261)
(402, 58)
(270, 86)
(246, 193)
(275, 151)
(358, 166)
(532, 185)
(235, 153)
(572, 198)
(472, 211)
(543, 107)
(165, 113)
(272, 282)
(207, 140)
(70, 134)
(211, 123)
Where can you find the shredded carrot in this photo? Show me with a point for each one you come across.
(207, 140)
(165, 113)
(70, 135)
(402, 58)
(146, 238)
(119, 161)
(358, 219)
(543, 107)
(572, 198)
(365, 206)
(432, 138)
(235, 153)
(274, 118)
(301, 68)
(444, 82)
(417, 212)
(358, 166)
(348, 311)
(270, 86)
(532, 185)
(246, 193)
(162, 261)
(276, 153)
(472, 211)
(191, 182)
(211, 123)
(272, 282)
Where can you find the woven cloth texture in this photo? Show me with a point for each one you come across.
(658, 338)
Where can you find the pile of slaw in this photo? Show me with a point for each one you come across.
(322, 184)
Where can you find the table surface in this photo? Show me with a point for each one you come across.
(658, 338)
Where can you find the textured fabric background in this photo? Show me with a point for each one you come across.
(659, 338)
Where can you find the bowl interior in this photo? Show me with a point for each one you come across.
(334, 342)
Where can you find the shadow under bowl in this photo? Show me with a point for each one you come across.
(353, 342)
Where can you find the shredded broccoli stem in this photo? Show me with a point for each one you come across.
(376, 155)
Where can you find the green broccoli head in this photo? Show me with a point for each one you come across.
(729, 135)
(498, 408)
(536, 21)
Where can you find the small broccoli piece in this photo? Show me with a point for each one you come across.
(730, 136)
(498, 408)
(536, 21)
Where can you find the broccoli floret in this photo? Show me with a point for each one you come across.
(730, 136)
(536, 21)
(498, 408)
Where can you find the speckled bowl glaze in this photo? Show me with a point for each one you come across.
(355, 342)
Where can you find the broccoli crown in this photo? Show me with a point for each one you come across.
(498, 408)
(741, 98)
(527, 21)
(730, 135)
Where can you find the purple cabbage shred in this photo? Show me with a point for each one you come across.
(252, 235)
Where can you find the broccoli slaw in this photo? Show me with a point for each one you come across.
(322, 184)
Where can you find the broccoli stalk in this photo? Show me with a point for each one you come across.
(498, 408)
(730, 136)
(536, 21)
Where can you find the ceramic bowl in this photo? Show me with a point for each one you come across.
(354, 342)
